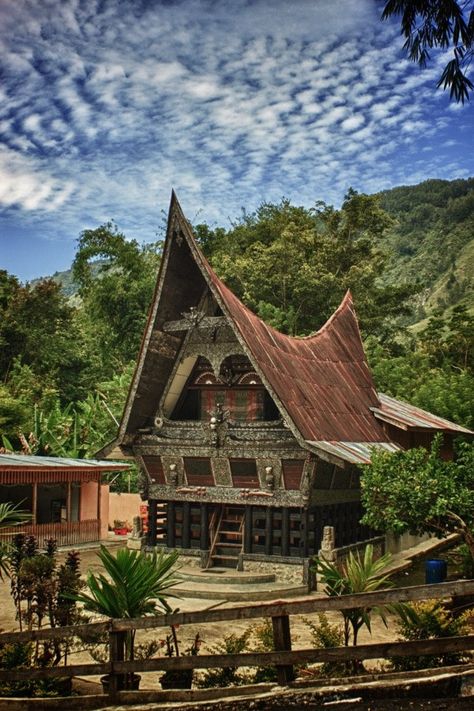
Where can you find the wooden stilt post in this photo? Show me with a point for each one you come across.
(248, 533)
(282, 643)
(171, 525)
(185, 541)
(268, 531)
(34, 504)
(152, 515)
(285, 532)
(204, 542)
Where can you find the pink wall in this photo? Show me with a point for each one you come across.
(104, 511)
(88, 509)
(123, 507)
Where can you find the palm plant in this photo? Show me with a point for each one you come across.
(136, 584)
(356, 575)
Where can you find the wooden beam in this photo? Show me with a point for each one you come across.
(152, 514)
(34, 504)
(185, 536)
(383, 650)
(306, 605)
(204, 533)
(248, 529)
(285, 531)
(268, 531)
(282, 642)
(171, 525)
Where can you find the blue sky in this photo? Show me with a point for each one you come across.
(105, 105)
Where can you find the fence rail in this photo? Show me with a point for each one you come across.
(284, 659)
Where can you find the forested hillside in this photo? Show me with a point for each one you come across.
(433, 242)
(66, 363)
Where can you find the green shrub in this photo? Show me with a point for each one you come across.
(429, 620)
(227, 676)
(325, 635)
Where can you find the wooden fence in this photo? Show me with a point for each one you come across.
(284, 658)
(65, 533)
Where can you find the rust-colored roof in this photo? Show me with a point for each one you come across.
(406, 416)
(323, 381)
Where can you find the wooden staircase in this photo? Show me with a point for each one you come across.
(227, 541)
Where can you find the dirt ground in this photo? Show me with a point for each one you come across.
(210, 634)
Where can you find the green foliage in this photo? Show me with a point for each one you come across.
(292, 265)
(227, 676)
(43, 593)
(136, 584)
(417, 491)
(116, 301)
(324, 635)
(429, 620)
(263, 642)
(428, 24)
(355, 575)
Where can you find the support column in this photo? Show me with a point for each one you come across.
(186, 540)
(34, 504)
(304, 528)
(152, 516)
(68, 500)
(285, 532)
(248, 532)
(204, 542)
(268, 531)
(171, 525)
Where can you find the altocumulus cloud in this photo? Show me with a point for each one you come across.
(106, 104)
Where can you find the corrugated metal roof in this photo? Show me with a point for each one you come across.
(402, 413)
(323, 380)
(353, 452)
(26, 461)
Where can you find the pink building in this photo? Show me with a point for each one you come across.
(64, 496)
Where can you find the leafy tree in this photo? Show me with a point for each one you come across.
(428, 24)
(292, 265)
(116, 277)
(417, 491)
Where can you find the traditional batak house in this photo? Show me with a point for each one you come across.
(249, 440)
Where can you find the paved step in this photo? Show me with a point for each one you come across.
(224, 576)
(233, 593)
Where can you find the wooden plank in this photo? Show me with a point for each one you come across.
(116, 654)
(282, 642)
(384, 650)
(306, 605)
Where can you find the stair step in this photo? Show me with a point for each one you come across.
(231, 533)
(225, 544)
(225, 557)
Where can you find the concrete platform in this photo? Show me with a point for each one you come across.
(225, 584)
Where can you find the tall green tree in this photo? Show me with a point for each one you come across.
(292, 265)
(116, 277)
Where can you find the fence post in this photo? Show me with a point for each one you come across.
(116, 654)
(282, 643)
